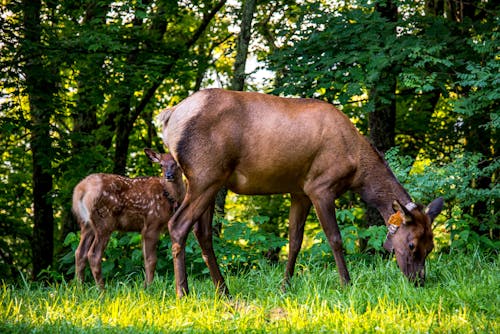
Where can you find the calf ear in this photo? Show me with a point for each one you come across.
(152, 155)
(435, 208)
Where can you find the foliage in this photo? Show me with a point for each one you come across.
(445, 122)
(115, 64)
(244, 246)
(352, 232)
(379, 299)
(241, 247)
(454, 182)
(342, 52)
(480, 77)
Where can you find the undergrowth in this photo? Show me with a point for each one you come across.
(460, 296)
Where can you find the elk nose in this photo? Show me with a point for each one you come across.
(170, 176)
(420, 278)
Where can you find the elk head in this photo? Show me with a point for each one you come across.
(410, 237)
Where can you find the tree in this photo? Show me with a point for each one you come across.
(479, 104)
(382, 120)
(402, 74)
(41, 79)
(143, 55)
(238, 83)
(93, 78)
(81, 82)
(247, 14)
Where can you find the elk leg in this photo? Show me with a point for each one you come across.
(325, 208)
(86, 239)
(203, 232)
(299, 209)
(150, 239)
(195, 203)
(95, 256)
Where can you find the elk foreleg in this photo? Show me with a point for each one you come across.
(203, 232)
(324, 204)
(299, 209)
(195, 203)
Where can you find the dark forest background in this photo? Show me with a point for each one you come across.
(82, 81)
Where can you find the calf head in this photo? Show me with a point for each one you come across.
(169, 167)
(410, 237)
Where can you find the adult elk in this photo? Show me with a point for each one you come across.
(103, 203)
(260, 144)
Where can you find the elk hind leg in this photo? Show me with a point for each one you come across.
(195, 203)
(299, 209)
(95, 256)
(203, 232)
(81, 253)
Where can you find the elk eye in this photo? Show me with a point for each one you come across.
(411, 245)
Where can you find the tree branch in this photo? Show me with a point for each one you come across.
(197, 34)
(207, 18)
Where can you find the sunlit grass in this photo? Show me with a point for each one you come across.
(461, 296)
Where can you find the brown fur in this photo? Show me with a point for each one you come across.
(103, 203)
(260, 144)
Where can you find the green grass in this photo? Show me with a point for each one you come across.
(461, 296)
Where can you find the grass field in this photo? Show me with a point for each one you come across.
(462, 295)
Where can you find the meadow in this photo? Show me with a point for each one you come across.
(461, 296)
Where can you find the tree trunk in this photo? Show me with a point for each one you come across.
(41, 89)
(382, 121)
(126, 117)
(238, 83)
(122, 133)
(479, 141)
(247, 13)
(88, 98)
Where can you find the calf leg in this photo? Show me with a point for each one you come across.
(150, 239)
(95, 256)
(299, 209)
(195, 203)
(203, 232)
(81, 253)
(325, 208)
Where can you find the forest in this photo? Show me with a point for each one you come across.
(82, 82)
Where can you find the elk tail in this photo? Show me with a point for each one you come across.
(84, 197)
(164, 115)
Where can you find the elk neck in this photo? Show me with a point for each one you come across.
(379, 186)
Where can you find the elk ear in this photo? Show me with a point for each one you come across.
(152, 155)
(398, 207)
(434, 208)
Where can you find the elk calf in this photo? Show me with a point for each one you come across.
(103, 203)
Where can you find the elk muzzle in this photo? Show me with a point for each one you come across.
(413, 269)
